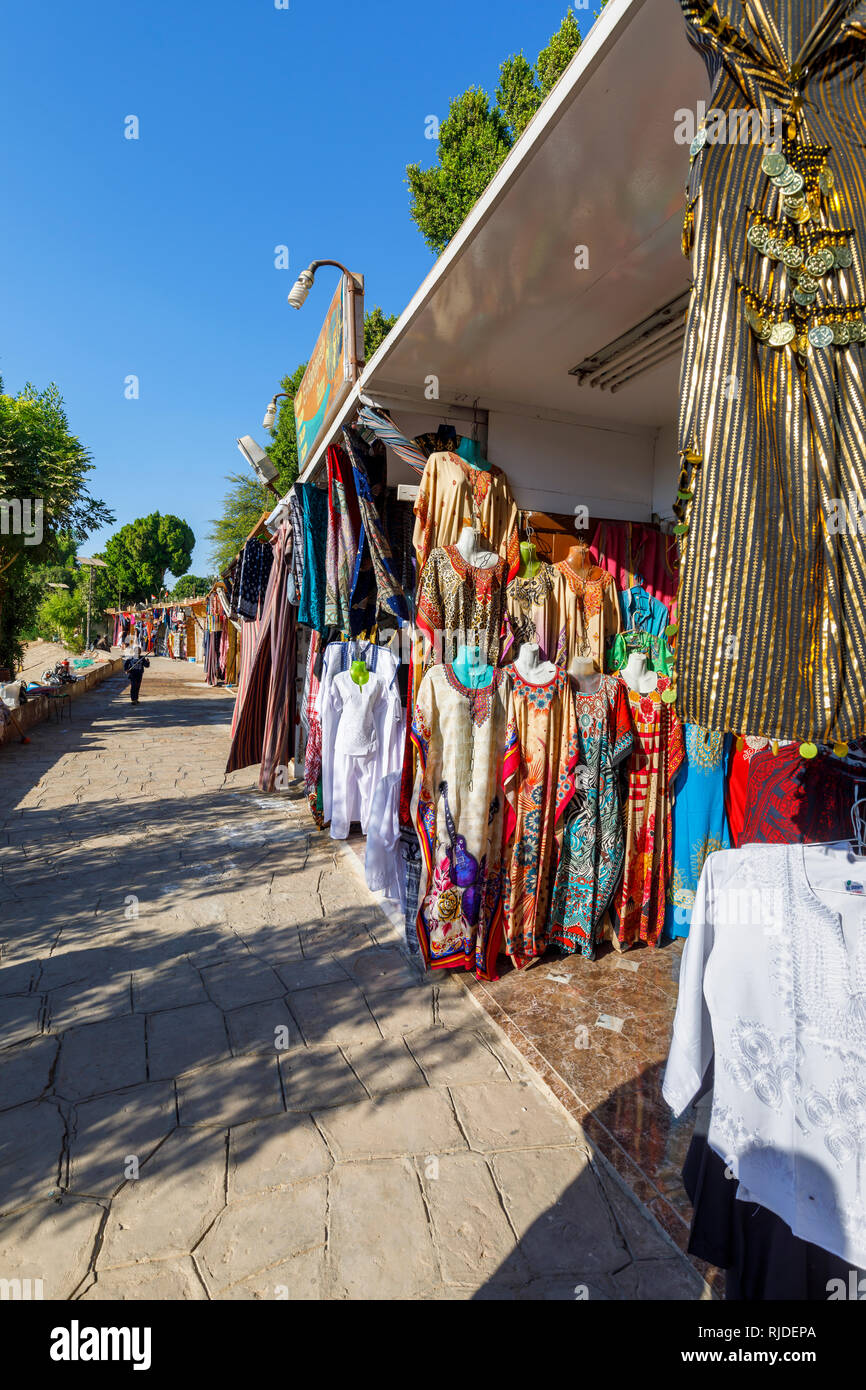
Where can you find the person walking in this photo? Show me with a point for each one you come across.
(134, 665)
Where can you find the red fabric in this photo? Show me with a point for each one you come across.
(637, 554)
(736, 790)
(795, 800)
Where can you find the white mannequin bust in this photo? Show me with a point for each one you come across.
(531, 667)
(586, 674)
(636, 675)
(473, 552)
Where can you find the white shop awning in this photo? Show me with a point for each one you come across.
(504, 314)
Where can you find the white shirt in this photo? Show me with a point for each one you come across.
(361, 743)
(773, 982)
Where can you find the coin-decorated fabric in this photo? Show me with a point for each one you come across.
(772, 428)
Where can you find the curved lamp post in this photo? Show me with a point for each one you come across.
(354, 286)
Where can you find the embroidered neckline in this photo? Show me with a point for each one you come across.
(480, 701)
(533, 589)
(464, 569)
(601, 688)
(556, 679)
(456, 683)
(579, 582)
(469, 471)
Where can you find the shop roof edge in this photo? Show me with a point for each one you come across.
(601, 39)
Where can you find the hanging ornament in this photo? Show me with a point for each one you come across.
(808, 750)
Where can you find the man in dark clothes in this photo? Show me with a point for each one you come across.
(134, 667)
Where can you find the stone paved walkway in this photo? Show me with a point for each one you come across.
(220, 1077)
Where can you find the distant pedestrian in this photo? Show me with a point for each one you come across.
(134, 665)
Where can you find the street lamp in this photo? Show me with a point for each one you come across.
(91, 564)
(354, 286)
(304, 283)
(271, 412)
(258, 461)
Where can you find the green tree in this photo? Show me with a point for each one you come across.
(377, 326)
(283, 448)
(246, 500)
(62, 614)
(140, 554)
(191, 586)
(473, 141)
(43, 475)
(518, 95)
(242, 507)
(555, 58)
(475, 137)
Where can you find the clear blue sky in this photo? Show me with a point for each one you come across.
(155, 257)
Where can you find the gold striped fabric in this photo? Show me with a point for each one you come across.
(772, 605)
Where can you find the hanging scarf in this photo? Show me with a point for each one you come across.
(390, 595)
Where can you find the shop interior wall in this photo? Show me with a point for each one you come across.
(666, 471)
(554, 467)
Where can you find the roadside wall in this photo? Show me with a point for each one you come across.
(38, 709)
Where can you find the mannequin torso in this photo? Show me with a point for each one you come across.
(636, 675)
(474, 552)
(529, 561)
(470, 670)
(531, 667)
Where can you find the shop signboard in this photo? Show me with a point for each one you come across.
(332, 369)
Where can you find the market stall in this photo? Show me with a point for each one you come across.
(499, 701)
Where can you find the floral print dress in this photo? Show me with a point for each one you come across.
(463, 737)
(540, 770)
(592, 855)
(639, 907)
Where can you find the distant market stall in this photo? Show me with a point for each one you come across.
(172, 628)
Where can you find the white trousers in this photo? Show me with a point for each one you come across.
(354, 782)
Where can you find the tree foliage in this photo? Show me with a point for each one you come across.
(475, 137)
(62, 615)
(377, 326)
(191, 586)
(42, 462)
(242, 507)
(246, 500)
(141, 553)
(283, 448)
(473, 142)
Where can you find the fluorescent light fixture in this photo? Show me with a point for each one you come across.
(271, 412)
(257, 459)
(649, 343)
(301, 288)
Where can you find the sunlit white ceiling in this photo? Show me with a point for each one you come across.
(506, 313)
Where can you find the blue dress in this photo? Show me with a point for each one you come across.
(700, 823)
(314, 509)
